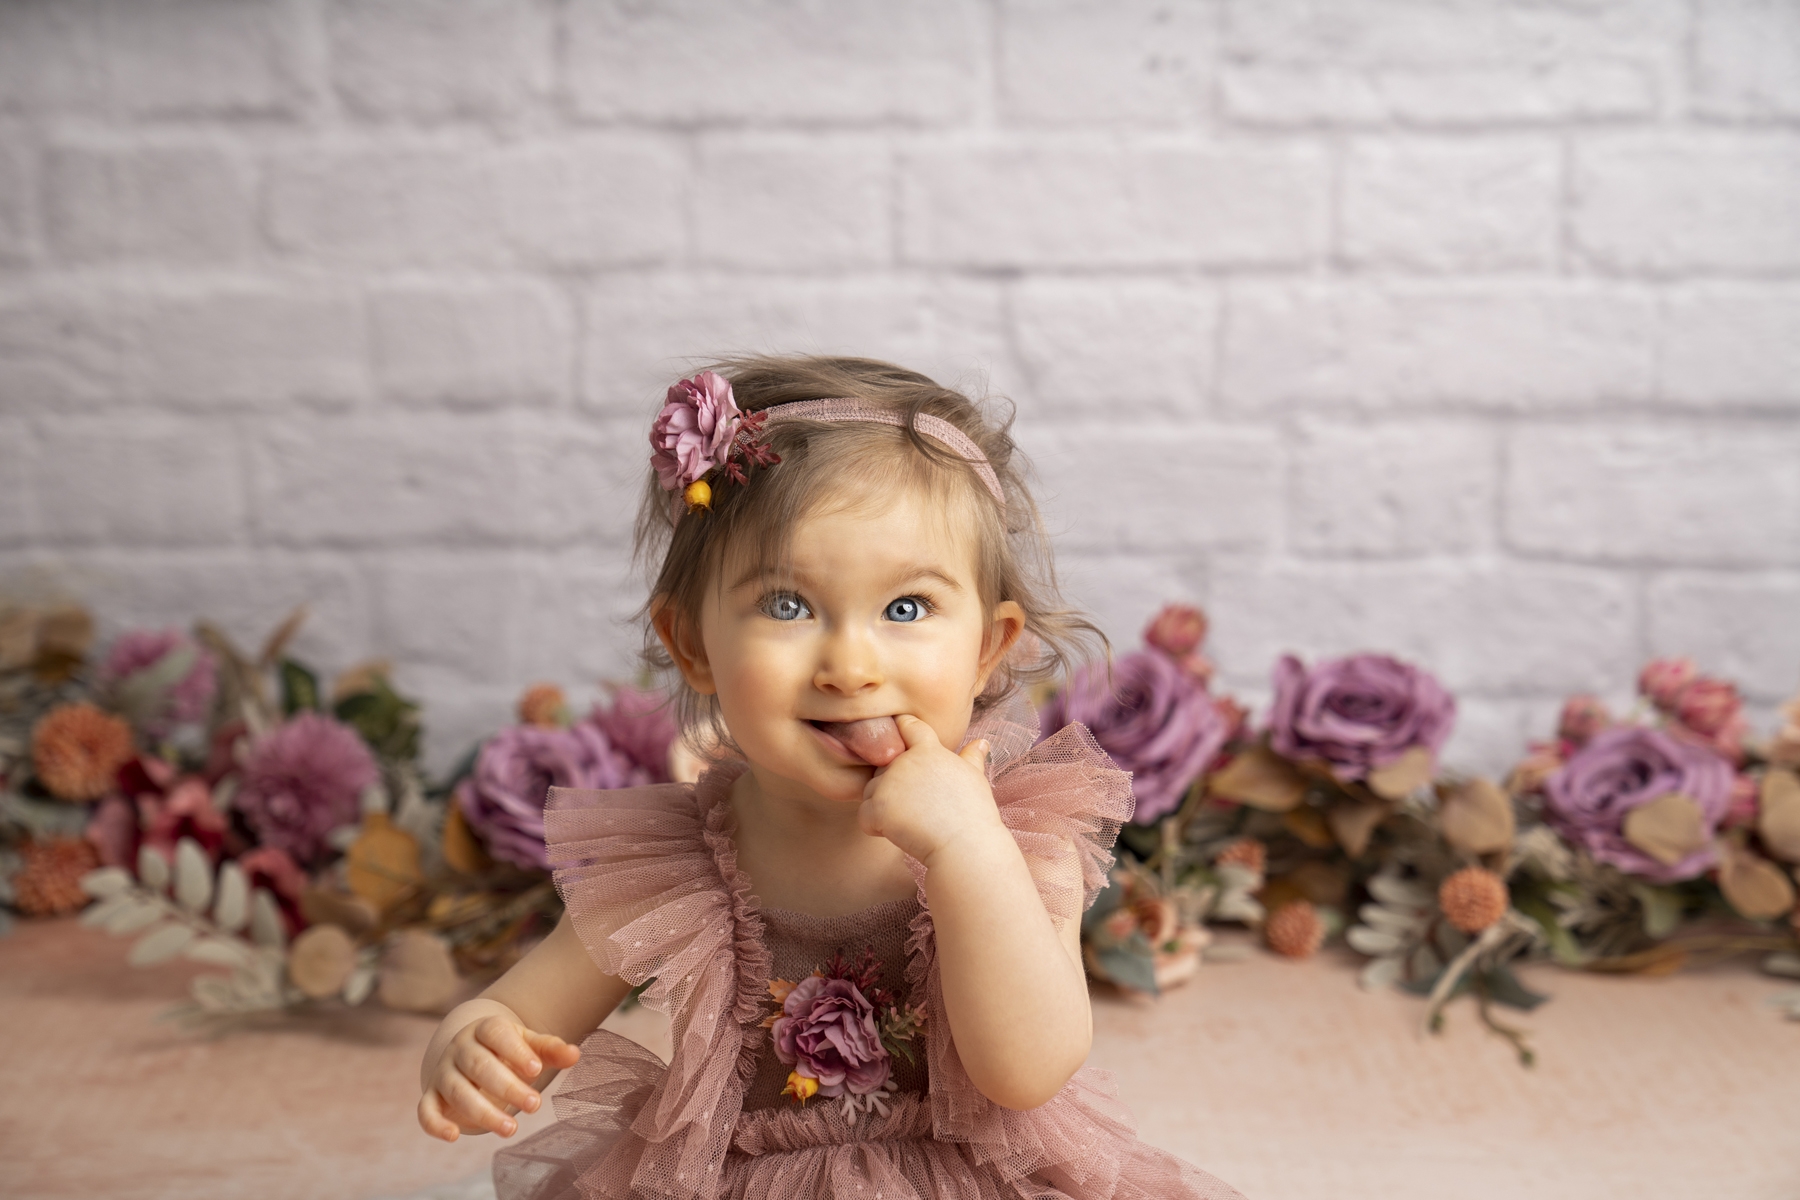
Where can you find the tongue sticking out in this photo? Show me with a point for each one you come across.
(876, 741)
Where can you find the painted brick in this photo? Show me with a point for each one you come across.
(247, 345)
(17, 208)
(207, 57)
(1732, 344)
(1139, 62)
(856, 61)
(1159, 488)
(580, 478)
(1453, 345)
(454, 610)
(428, 60)
(18, 503)
(574, 620)
(179, 204)
(793, 204)
(584, 202)
(1747, 58)
(418, 479)
(1492, 626)
(1120, 592)
(1723, 202)
(490, 344)
(1677, 494)
(1327, 94)
(51, 57)
(168, 482)
(643, 334)
(58, 346)
(1443, 205)
(1738, 626)
(1139, 346)
(1392, 489)
(385, 206)
(1055, 206)
(1490, 735)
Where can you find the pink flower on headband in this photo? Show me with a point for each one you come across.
(694, 431)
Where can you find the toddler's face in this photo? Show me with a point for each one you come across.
(877, 615)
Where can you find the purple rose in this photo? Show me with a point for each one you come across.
(503, 799)
(1357, 713)
(693, 432)
(827, 1032)
(1624, 768)
(1155, 720)
(642, 724)
(303, 779)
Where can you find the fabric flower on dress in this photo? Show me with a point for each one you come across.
(1626, 768)
(1153, 719)
(304, 778)
(503, 799)
(840, 1032)
(1357, 714)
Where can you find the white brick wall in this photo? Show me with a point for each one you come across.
(1469, 329)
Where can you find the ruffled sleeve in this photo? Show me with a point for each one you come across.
(649, 879)
(1063, 800)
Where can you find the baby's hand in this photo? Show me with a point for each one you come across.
(486, 1074)
(929, 796)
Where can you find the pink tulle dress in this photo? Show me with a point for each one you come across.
(651, 882)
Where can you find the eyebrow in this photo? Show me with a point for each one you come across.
(905, 574)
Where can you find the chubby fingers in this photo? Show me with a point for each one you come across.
(976, 753)
(432, 1119)
(914, 732)
(553, 1050)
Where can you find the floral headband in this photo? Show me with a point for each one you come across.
(701, 429)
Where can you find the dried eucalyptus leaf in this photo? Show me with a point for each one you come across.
(1380, 974)
(160, 945)
(1753, 885)
(106, 881)
(1784, 963)
(213, 994)
(266, 928)
(1477, 818)
(321, 961)
(152, 869)
(1405, 775)
(231, 911)
(1778, 813)
(1399, 893)
(1668, 829)
(1400, 922)
(95, 916)
(1371, 941)
(193, 876)
(219, 952)
(136, 916)
(1262, 779)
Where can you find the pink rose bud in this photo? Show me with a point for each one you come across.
(1663, 679)
(1744, 793)
(1708, 706)
(1177, 630)
(1582, 717)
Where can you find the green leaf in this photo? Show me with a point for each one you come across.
(1503, 987)
(1105, 905)
(1127, 967)
(1662, 909)
(299, 688)
(1563, 946)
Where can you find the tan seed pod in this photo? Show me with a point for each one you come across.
(321, 960)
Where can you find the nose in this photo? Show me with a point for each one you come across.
(849, 664)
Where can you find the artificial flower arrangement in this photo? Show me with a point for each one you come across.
(231, 810)
(1625, 845)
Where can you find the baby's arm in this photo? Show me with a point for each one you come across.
(492, 1056)
(1015, 992)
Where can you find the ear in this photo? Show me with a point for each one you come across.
(682, 640)
(1004, 629)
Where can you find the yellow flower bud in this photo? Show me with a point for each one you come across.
(800, 1087)
(698, 495)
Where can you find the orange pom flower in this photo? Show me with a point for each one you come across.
(1294, 930)
(543, 705)
(49, 882)
(1473, 899)
(78, 750)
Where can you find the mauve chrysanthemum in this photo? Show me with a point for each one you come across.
(503, 800)
(304, 778)
(188, 699)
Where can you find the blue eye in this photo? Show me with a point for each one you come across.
(786, 607)
(906, 608)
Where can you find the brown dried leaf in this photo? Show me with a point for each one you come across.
(323, 906)
(1668, 828)
(1308, 824)
(1477, 817)
(1322, 882)
(1352, 824)
(1405, 775)
(18, 638)
(1756, 887)
(321, 960)
(417, 973)
(1665, 959)
(1778, 822)
(382, 864)
(279, 639)
(362, 677)
(1262, 779)
(462, 851)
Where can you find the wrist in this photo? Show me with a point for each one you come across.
(976, 840)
